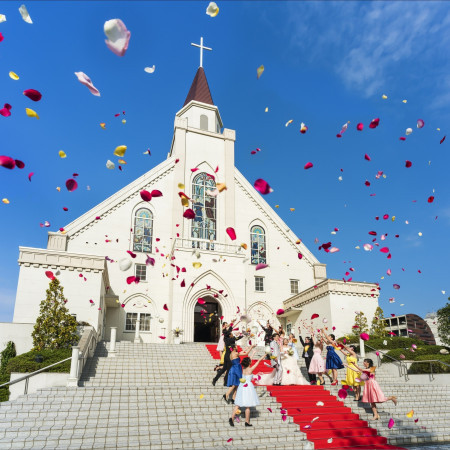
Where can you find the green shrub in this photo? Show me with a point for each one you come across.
(425, 367)
(5, 356)
(431, 351)
(26, 363)
(391, 342)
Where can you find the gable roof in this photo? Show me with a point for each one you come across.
(199, 90)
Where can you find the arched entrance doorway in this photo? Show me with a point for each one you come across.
(207, 321)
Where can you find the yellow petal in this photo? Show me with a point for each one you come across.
(298, 241)
(238, 411)
(117, 301)
(244, 246)
(184, 201)
(384, 97)
(266, 110)
(212, 10)
(62, 154)
(5, 201)
(201, 396)
(289, 122)
(410, 414)
(13, 75)
(31, 113)
(404, 101)
(292, 209)
(221, 186)
(122, 161)
(124, 121)
(120, 150)
(259, 71)
(277, 206)
(242, 380)
(197, 265)
(393, 218)
(58, 189)
(103, 125)
(181, 186)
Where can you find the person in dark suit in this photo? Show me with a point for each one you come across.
(230, 341)
(308, 352)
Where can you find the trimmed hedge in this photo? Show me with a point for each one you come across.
(26, 363)
(425, 368)
(431, 351)
(391, 342)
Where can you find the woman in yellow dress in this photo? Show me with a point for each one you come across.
(352, 359)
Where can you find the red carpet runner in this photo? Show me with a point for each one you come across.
(329, 426)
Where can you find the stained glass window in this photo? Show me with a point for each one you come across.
(204, 206)
(143, 231)
(258, 243)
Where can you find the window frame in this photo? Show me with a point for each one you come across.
(144, 280)
(200, 229)
(261, 279)
(134, 244)
(261, 255)
(138, 316)
(291, 280)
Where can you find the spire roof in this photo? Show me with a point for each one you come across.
(199, 90)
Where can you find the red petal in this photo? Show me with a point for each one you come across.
(342, 393)
(65, 209)
(19, 164)
(364, 336)
(189, 214)
(194, 170)
(300, 256)
(367, 157)
(367, 183)
(146, 196)
(50, 275)
(402, 138)
(229, 440)
(162, 337)
(183, 284)
(396, 286)
(133, 279)
(32, 94)
(71, 184)
(443, 139)
(314, 316)
(262, 186)
(280, 311)
(374, 123)
(7, 162)
(430, 199)
(156, 193)
(5, 111)
(201, 301)
(384, 250)
(133, 255)
(261, 266)
(231, 233)
(308, 165)
(386, 216)
(165, 308)
(373, 233)
(408, 163)
(359, 127)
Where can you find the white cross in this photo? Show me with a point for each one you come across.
(201, 47)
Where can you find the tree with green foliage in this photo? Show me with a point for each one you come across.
(443, 323)
(7, 354)
(55, 328)
(378, 328)
(360, 325)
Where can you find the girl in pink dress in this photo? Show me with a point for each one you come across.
(372, 391)
(317, 365)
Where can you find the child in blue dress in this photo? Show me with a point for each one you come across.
(333, 360)
(246, 396)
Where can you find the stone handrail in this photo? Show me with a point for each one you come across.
(205, 244)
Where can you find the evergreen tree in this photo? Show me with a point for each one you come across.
(55, 327)
(360, 325)
(443, 323)
(378, 328)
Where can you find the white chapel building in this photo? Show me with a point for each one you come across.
(194, 258)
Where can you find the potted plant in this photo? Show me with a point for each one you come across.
(177, 332)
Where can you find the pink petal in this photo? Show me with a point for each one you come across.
(118, 36)
(71, 184)
(229, 440)
(373, 233)
(364, 336)
(408, 163)
(359, 127)
(430, 199)
(65, 209)
(201, 301)
(342, 393)
(262, 186)
(183, 284)
(308, 165)
(150, 261)
(386, 216)
(389, 272)
(133, 279)
(420, 123)
(19, 164)
(367, 157)
(156, 193)
(374, 123)
(189, 214)
(391, 423)
(284, 418)
(32, 94)
(396, 286)
(6, 110)
(269, 409)
(86, 81)
(333, 250)
(261, 266)
(146, 196)
(231, 233)
(384, 250)
(165, 308)
(314, 316)
(123, 305)
(300, 256)
(7, 162)
(133, 255)
(162, 337)
(280, 311)
(50, 275)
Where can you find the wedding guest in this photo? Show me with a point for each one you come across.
(246, 396)
(317, 365)
(372, 391)
(351, 378)
(308, 352)
(268, 330)
(333, 361)
(221, 345)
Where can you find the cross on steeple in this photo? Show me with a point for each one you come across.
(201, 47)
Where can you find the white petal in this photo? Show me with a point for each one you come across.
(24, 13)
(110, 165)
(150, 69)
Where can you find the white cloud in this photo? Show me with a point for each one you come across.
(374, 46)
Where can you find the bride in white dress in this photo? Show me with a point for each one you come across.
(291, 372)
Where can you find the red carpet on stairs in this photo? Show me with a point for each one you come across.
(329, 426)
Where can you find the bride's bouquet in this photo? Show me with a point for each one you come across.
(290, 352)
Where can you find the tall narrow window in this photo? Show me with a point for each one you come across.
(141, 271)
(204, 206)
(143, 231)
(294, 286)
(258, 243)
(259, 284)
(204, 122)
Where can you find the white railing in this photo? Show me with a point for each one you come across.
(204, 244)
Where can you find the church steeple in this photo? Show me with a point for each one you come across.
(199, 90)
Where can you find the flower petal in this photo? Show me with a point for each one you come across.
(308, 165)
(50, 275)
(212, 10)
(262, 186)
(32, 94)
(367, 157)
(391, 423)
(261, 266)
(396, 286)
(430, 199)
(280, 311)
(71, 184)
(150, 69)
(86, 81)
(420, 123)
(342, 393)
(189, 214)
(230, 231)
(155, 193)
(408, 163)
(364, 336)
(314, 316)
(118, 36)
(259, 71)
(146, 196)
(125, 264)
(6, 110)
(374, 123)
(360, 126)
(110, 165)
(384, 250)
(7, 162)
(24, 13)
(31, 113)
(201, 301)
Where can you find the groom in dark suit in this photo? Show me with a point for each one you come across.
(308, 352)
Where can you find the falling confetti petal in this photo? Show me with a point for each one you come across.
(189, 214)
(5, 201)
(303, 128)
(408, 163)
(289, 122)
(442, 140)
(308, 165)
(391, 423)
(367, 157)
(262, 186)
(120, 151)
(24, 13)
(62, 154)
(13, 75)
(118, 36)
(197, 265)
(110, 165)
(32, 94)
(410, 414)
(314, 316)
(71, 184)
(374, 123)
(146, 196)
(384, 97)
(230, 231)
(2, 18)
(86, 81)
(342, 393)
(396, 286)
(259, 71)
(430, 199)
(212, 10)
(360, 126)
(31, 113)
(364, 336)
(408, 131)
(6, 110)
(7, 162)
(280, 311)
(150, 69)
(320, 403)
(261, 266)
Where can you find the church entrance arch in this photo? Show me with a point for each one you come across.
(207, 320)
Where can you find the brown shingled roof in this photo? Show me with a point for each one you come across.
(199, 90)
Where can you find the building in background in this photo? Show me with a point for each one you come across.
(411, 325)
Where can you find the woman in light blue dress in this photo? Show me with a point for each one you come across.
(246, 396)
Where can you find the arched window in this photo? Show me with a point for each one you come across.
(258, 243)
(204, 122)
(143, 231)
(204, 206)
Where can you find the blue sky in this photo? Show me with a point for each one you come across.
(326, 63)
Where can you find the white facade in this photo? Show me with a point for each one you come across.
(226, 276)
